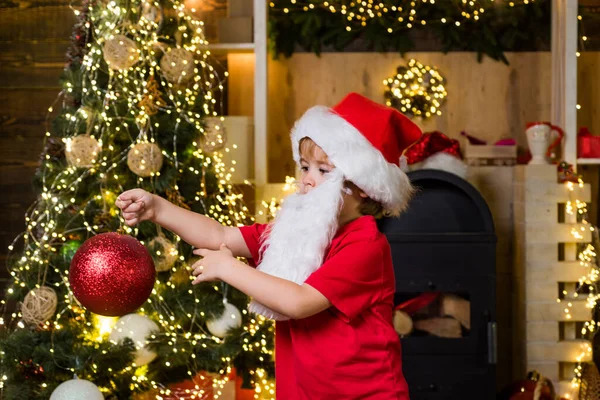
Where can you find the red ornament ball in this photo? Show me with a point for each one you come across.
(112, 274)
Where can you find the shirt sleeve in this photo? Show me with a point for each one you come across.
(252, 235)
(352, 279)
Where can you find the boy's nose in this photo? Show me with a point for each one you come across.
(308, 182)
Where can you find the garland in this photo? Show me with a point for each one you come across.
(486, 27)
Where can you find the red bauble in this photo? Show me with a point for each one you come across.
(112, 274)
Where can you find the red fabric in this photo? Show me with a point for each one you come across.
(430, 144)
(386, 128)
(351, 350)
(416, 303)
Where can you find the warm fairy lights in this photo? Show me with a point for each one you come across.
(417, 90)
(588, 284)
(127, 106)
(357, 14)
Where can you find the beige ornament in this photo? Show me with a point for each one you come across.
(82, 151)
(165, 258)
(177, 66)
(145, 159)
(151, 13)
(215, 135)
(39, 305)
(121, 53)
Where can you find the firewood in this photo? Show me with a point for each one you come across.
(442, 327)
(456, 307)
(403, 323)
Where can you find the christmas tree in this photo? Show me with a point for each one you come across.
(139, 107)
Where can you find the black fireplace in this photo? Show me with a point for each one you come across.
(445, 244)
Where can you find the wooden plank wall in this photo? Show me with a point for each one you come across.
(34, 37)
(489, 99)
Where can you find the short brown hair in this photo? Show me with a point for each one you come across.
(368, 206)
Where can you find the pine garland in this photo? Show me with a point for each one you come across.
(485, 27)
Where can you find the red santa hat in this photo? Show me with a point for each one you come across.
(434, 150)
(365, 141)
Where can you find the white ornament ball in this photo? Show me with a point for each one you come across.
(82, 151)
(145, 159)
(177, 65)
(77, 389)
(120, 53)
(231, 318)
(136, 327)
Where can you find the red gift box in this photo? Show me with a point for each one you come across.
(588, 146)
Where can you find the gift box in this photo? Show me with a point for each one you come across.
(588, 145)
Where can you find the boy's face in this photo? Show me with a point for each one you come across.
(314, 166)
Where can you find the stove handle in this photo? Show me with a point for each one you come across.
(492, 342)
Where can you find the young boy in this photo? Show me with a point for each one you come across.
(324, 272)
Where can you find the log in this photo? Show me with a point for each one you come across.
(403, 323)
(442, 327)
(456, 307)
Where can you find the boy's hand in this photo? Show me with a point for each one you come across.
(136, 205)
(211, 267)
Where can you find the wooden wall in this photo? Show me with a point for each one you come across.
(489, 99)
(34, 37)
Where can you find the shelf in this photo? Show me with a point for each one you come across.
(231, 47)
(588, 161)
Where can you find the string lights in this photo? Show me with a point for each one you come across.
(576, 211)
(125, 96)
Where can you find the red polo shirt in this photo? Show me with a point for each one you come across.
(351, 350)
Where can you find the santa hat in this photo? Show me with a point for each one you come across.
(364, 140)
(435, 150)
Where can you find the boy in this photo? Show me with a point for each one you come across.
(324, 271)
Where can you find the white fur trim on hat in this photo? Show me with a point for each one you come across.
(350, 152)
(443, 161)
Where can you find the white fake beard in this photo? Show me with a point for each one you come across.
(297, 239)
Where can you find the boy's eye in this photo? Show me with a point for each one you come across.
(323, 171)
(304, 169)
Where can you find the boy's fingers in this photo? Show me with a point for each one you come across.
(131, 222)
(134, 207)
(197, 280)
(201, 252)
(198, 270)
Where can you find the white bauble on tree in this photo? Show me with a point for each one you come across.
(136, 327)
(145, 159)
(230, 319)
(77, 389)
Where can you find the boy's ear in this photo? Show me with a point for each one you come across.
(362, 194)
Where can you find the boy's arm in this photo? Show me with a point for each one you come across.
(283, 296)
(280, 295)
(198, 230)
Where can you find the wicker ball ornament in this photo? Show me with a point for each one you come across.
(39, 305)
(164, 253)
(82, 151)
(177, 66)
(121, 53)
(215, 135)
(151, 13)
(145, 159)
